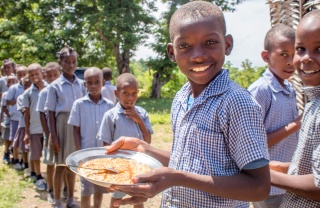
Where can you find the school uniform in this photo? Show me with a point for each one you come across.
(306, 158)
(18, 141)
(12, 94)
(107, 91)
(6, 120)
(30, 100)
(47, 151)
(279, 108)
(115, 124)
(61, 96)
(3, 84)
(220, 134)
(88, 116)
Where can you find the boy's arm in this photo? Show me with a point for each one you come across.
(302, 185)
(44, 125)
(11, 102)
(283, 132)
(54, 137)
(5, 110)
(27, 122)
(77, 137)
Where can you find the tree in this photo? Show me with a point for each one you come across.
(161, 64)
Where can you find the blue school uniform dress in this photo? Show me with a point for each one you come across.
(279, 108)
(115, 124)
(306, 158)
(219, 135)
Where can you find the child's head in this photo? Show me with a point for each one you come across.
(93, 80)
(127, 90)
(8, 67)
(307, 56)
(11, 80)
(52, 71)
(26, 82)
(279, 51)
(199, 41)
(35, 73)
(107, 73)
(67, 59)
(21, 72)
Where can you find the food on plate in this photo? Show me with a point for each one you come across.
(127, 168)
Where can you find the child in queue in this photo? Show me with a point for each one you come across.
(33, 130)
(52, 72)
(61, 95)
(10, 80)
(125, 119)
(108, 89)
(301, 177)
(85, 117)
(277, 99)
(219, 156)
(11, 98)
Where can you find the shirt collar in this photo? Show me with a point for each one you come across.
(33, 87)
(87, 97)
(275, 84)
(217, 86)
(107, 83)
(311, 92)
(64, 80)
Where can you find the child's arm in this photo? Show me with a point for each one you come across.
(27, 122)
(77, 137)
(11, 102)
(131, 113)
(302, 185)
(5, 110)
(44, 125)
(283, 132)
(281, 167)
(54, 138)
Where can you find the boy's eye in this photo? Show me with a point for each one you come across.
(209, 42)
(284, 54)
(183, 46)
(299, 49)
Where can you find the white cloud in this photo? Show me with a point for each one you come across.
(248, 26)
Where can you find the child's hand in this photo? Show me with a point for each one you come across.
(131, 113)
(281, 167)
(154, 182)
(128, 143)
(26, 139)
(40, 85)
(55, 143)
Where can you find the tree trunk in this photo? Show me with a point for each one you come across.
(122, 59)
(156, 86)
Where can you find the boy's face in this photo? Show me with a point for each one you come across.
(68, 64)
(26, 83)
(8, 69)
(35, 75)
(199, 48)
(127, 95)
(307, 56)
(94, 84)
(11, 82)
(52, 74)
(280, 57)
(21, 73)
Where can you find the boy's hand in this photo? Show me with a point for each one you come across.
(128, 143)
(40, 85)
(281, 167)
(55, 143)
(26, 139)
(131, 113)
(154, 182)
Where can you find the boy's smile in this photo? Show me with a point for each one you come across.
(307, 56)
(199, 47)
(128, 95)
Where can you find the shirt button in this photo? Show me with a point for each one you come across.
(168, 204)
(97, 122)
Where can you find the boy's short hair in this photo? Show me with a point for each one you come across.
(107, 73)
(12, 76)
(34, 66)
(21, 68)
(278, 30)
(125, 78)
(93, 71)
(7, 61)
(196, 10)
(314, 14)
(66, 51)
(51, 65)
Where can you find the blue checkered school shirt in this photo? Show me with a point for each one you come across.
(279, 108)
(220, 134)
(306, 158)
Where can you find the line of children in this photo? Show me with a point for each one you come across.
(85, 117)
(108, 89)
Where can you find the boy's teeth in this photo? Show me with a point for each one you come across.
(311, 72)
(200, 68)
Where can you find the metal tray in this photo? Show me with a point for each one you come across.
(76, 159)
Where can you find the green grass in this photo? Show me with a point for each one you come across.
(11, 186)
(158, 109)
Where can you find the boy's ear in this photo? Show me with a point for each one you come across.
(170, 52)
(265, 56)
(85, 84)
(116, 93)
(103, 82)
(229, 44)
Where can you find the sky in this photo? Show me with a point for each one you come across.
(248, 26)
